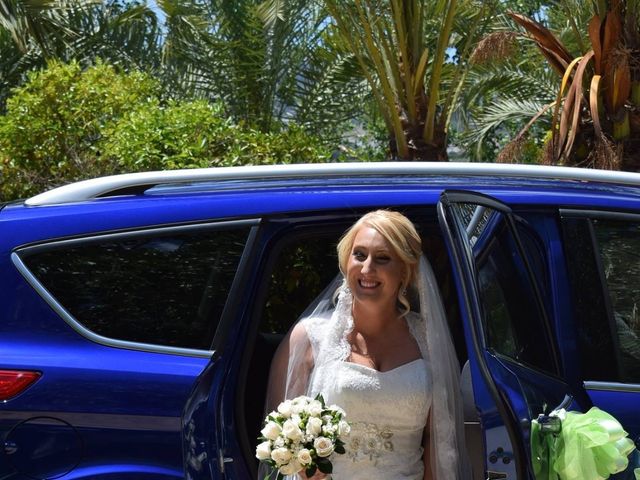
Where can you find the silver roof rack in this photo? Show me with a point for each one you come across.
(116, 184)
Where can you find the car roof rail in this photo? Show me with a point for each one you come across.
(136, 183)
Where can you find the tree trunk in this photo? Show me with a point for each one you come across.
(419, 150)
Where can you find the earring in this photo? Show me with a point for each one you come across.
(404, 292)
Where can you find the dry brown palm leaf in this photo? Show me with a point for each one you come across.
(617, 81)
(611, 37)
(512, 150)
(572, 109)
(560, 57)
(555, 60)
(594, 104)
(596, 42)
(558, 137)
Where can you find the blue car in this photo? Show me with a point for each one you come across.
(139, 313)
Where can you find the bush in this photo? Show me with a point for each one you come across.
(54, 122)
(66, 124)
(197, 134)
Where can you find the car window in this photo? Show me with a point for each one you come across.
(513, 321)
(162, 289)
(303, 269)
(604, 271)
(618, 244)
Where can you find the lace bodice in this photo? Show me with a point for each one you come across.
(387, 410)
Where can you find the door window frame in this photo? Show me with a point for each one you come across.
(23, 252)
(468, 283)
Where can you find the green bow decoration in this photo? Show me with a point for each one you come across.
(586, 446)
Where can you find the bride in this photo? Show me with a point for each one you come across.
(392, 370)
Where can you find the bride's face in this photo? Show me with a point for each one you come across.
(374, 270)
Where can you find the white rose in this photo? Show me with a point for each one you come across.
(298, 404)
(271, 430)
(263, 451)
(291, 430)
(329, 429)
(301, 400)
(279, 442)
(314, 426)
(344, 428)
(323, 446)
(290, 468)
(285, 408)
(281, 456)
(304, 456)
(337, 409)
(315, 408)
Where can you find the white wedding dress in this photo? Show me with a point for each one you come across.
(387, 411)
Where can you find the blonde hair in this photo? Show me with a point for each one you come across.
(401, 235)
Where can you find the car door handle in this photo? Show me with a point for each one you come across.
(496, 475)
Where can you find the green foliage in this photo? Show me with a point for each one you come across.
(54, 122)
(267, 61)
(197, 134)
(66, 124)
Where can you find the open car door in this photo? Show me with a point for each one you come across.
(499, 265)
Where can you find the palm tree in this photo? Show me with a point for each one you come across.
(33, 32)
(506, 88)
(270, 62)
(596, 118)
(125, 34)
(402, 49)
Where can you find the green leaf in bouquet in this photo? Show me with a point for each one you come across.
(311, 471)
(339, 449)
(324, 466)
(320, 398)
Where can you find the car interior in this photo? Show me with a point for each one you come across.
(301, 264)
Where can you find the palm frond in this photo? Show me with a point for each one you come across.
(496, 117)
(270, 11)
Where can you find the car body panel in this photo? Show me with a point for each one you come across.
(126, 412)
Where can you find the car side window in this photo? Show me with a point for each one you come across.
(604, 270)
(618, 244)
(165, 289)
(513, 321)
(512, 317)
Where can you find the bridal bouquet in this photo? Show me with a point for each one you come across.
(301, 434)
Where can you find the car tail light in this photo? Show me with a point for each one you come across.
(13, 382)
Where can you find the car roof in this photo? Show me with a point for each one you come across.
(183, 197)
(248, 176)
